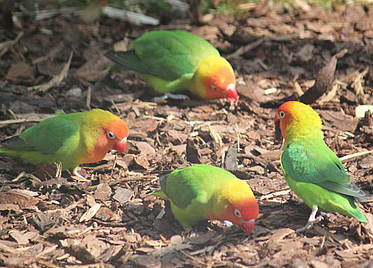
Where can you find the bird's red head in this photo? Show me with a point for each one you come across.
(243, 213)
(282, 118)
(103, 131)
(221, 84)
(295, 118)
(242, 208)
(116, 135)
(215, 79)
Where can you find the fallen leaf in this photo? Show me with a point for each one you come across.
(103, 192)
(122, 195)
(192, 152)
(20, 71)
(90, 213)
(146, 261)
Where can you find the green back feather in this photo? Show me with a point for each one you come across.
(48, 136)
(165, 54)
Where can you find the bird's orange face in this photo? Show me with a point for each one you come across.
(283, 117)
(296, 119)
(214, 79)
(116, 135)
(221, 84)
(243, 213)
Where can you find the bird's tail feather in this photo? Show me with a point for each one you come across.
(160, 194)
(346, 189)
(129, 60)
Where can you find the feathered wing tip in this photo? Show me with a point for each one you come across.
(365, 197)
(160, 194)
(129, 60)
(162, 182)
(360, 194)
(346, 189)
(118, 56)
(15, 143)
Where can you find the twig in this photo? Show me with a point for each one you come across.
(89, 97)
(132, 17)
(56, 80)
(351, 157)
(245, 49)
(4, 46)
(23, 120)
(280, 193)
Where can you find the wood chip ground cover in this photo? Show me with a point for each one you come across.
(49, 219)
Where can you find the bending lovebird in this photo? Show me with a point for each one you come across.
(311, 168)
(172, 61)
(202, 192)
(71, 139)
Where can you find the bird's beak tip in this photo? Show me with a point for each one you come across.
(121, 145)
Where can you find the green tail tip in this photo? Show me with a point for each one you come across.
(159, 194)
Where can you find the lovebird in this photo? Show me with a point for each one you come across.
(311, 169)
(202, 192)
(172, 61)
(71, 139)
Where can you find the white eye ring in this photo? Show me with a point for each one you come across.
(110, 135)
(237, 213)
(282, 114)
(213, 87)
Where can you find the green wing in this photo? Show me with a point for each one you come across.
(314, 162)
(46, 137)
(164, 54)
(178, 187)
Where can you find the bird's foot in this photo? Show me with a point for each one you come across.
(311, 223)
(311, 220)
(171, 96)
(187, 230)
(77, 174)
(323, 215)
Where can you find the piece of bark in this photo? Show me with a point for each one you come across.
(324, 80)
(192, 154)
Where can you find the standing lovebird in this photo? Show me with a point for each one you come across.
(311, 168)
(202, 192)
(71, 139)
(172, 61)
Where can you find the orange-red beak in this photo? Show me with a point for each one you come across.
(247, 226)
(231, 92)
(121, 145)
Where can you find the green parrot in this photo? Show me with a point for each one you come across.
(71, 139)
(311, 168)
(202, 192)
(172, 61)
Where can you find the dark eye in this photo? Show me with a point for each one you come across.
(213, 87)
(237, 213)
(282, 114)
(110, 135)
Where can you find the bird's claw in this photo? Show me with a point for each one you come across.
(76, 173)
(311, 223)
